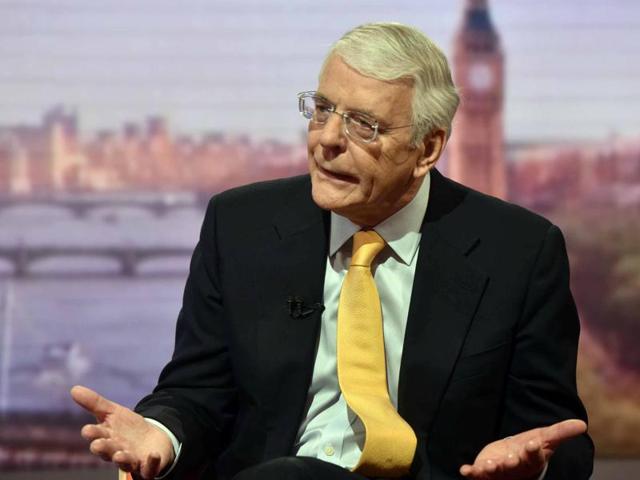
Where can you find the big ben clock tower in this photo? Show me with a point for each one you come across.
(476, 147)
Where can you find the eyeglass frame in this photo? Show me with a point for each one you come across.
(345, 117)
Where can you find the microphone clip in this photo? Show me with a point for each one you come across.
(297, 309)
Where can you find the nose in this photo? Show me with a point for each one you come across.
(333, 134)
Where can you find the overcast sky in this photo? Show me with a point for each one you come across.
(573, 66)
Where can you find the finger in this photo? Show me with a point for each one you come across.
(126, 461)
(92, 401)
(93, 432)
(528, 462)
(151, 467)
(104, 448)
(511, 461)
(511, 458)
(532, 446)
(465, 470)
(485, 470)
(490, 468)
(97, 447)
(557, 433)
(533, 454)
(473, 472)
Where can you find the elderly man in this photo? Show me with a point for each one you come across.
(372, 319)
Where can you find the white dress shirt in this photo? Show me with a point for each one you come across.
(330, 430)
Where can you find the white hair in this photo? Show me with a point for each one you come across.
(393, 51)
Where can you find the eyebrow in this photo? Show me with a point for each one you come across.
(368, 113)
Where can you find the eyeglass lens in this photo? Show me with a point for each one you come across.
(318, 110)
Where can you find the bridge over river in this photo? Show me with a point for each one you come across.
(129, 257)
(158, 204)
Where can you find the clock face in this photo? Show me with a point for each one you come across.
(480, 76)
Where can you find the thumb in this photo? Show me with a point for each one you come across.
(557, 433)
(92, 401)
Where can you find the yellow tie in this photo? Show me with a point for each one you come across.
(390, 443)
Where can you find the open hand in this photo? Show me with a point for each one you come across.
(122, 436)
(522, 456)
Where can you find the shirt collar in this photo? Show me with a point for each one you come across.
(401, 230)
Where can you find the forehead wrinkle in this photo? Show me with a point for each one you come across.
(366, 111)
(357, 100)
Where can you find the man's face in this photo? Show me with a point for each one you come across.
(365, 182)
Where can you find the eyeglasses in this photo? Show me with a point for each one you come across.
(357, 125)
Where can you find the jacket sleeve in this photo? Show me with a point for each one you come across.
(541, 385)
(195, 394)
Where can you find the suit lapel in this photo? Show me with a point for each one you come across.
(446, 291)
(296, 263)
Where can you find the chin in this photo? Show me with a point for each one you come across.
(327, 199)
(339, 197)
(322, 199)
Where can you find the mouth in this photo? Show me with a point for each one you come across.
(337, 176)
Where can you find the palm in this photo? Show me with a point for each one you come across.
(128, 430)
(122, 436)
(522, 456)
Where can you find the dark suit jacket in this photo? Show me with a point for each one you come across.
(490, 346)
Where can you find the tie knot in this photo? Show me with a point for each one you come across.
(366, 245)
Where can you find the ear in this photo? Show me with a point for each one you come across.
(432, 146)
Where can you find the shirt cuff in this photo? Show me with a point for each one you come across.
(544, 471)
(177, 446)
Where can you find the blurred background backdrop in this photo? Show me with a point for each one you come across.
(119, 119)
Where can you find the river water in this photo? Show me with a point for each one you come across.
(77, 319)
